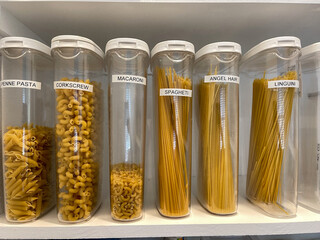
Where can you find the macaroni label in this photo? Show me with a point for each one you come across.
(176, 92)
(222, 79)
(73, 85)
(129, 79)
(283, 84)
(14, 83)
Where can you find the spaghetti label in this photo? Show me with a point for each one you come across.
(283, 84)
(221, 79)
(14, 83)
(176, 92)
(129, 79)
(73, 85)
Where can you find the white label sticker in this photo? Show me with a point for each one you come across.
(14, 83)
(129, 79)
(283, 84)
(73, 85)
(221, 79)
(175, 92)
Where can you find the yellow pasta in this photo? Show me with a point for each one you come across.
(28, 154)
(126, 194)
(78, 123)
(174, 155)
(215, 174)
(271, 115)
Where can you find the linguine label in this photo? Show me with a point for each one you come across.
(283, 84)
(176, 92)
(129, 79)
(14, 83)
(73, 85)
(221, 79)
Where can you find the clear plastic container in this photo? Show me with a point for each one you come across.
(271, 76)
(27, 128)
(172, 66)
(216, 94)
(127, 62)
(79, 126)
(309, 167)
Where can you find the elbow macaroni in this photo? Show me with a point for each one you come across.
(77, 151)
(126, 196)
(28, 190)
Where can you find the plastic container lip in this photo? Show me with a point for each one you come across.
(127, 43)
(22, 42)
(315, 47)
(219, 47)
(172, 45)
(74, 41)
(285, 41)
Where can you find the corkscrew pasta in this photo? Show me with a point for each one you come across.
(126, 196)
(173, 163)
(271, 115)
(215, 173)
(28, 188)
(78, 140)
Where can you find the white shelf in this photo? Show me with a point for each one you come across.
(248, 221)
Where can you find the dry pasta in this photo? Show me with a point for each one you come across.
(126, 195)
(174, 155)
(28, 153)
(271, 114)
(78, 147)
(215, 174)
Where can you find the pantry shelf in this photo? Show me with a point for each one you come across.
(248, 221)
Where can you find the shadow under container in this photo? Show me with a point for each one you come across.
(270, 74)
(127, 62)
(79, 122)
(216, 96)
(172, 66)
(27, 128)
(309, 168)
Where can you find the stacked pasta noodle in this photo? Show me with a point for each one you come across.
(78, 144)
(174, 155)
(216, 181)
(270, 122)
(28, 188)
(126, 191)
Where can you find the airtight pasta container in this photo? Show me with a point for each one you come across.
(79, 132)
(216, 97)
(27, 128)
(270, 73)
(309, 169)
(127, 62)
(172, 66)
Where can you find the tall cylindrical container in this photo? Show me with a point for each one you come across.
(27, 128)
(309, 167)
(127, 62)
(79, 122)
(216, 94)
(172, 66)
(271, 71)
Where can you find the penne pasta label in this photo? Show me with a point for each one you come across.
(129, 79)
(221, 79)
(175, 92)
(283, 84)
(73, 85)
(15, 83)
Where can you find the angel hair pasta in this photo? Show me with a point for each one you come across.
(78, 123)
(126, 191)
(28, 154)
(271, 115)
(216, 181)
(173, 163)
